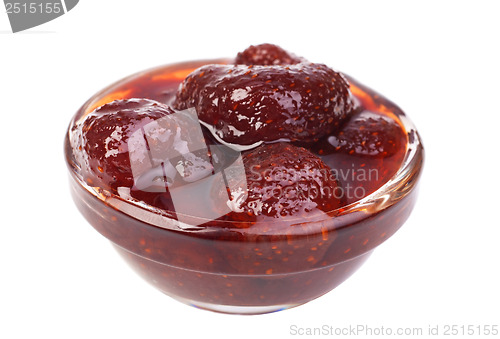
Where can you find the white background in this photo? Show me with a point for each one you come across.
(438, 60)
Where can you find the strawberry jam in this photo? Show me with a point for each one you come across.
(220, 247)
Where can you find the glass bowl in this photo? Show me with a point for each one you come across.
(260, 269)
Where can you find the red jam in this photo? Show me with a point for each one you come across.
(244, 258)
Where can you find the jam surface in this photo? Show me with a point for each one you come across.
(251, 250)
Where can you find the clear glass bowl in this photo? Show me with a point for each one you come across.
(252, 270)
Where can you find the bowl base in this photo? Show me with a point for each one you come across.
(231, 309)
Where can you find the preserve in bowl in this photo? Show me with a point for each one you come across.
(217, 265)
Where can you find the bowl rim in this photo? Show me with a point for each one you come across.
(387, 195)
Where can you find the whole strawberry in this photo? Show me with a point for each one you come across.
(283, 181)
(248, 105)
(103, 138)
(266, 54)
(367, 134)
(369, 147)
(143, 145)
